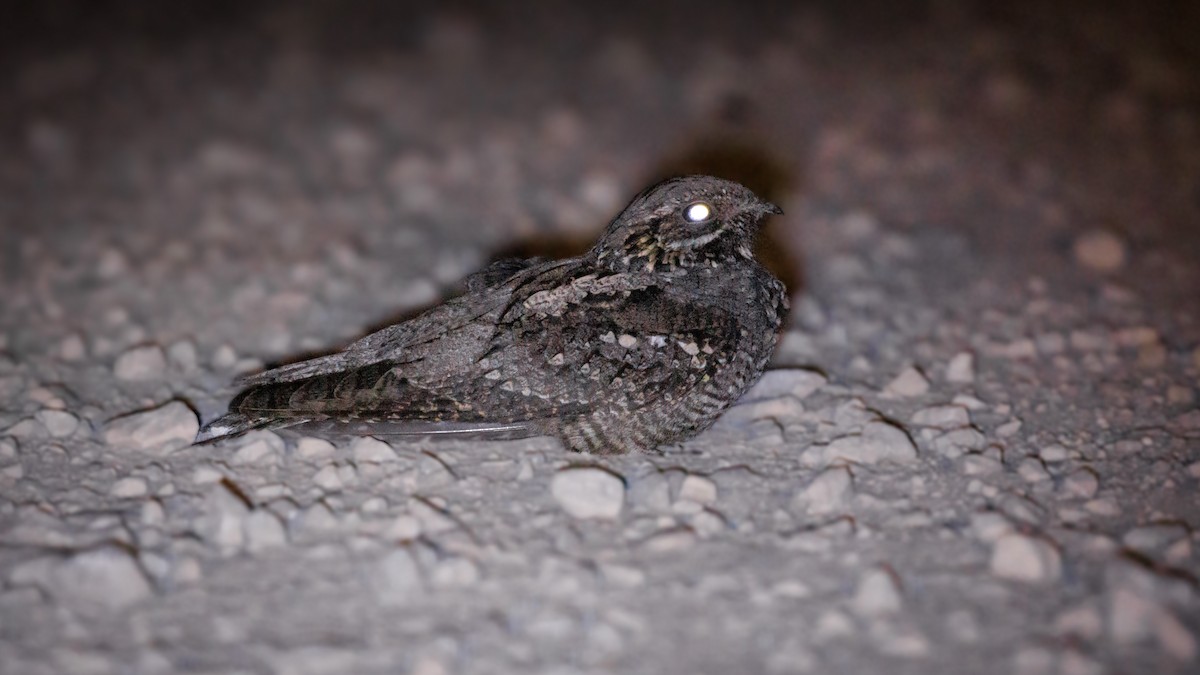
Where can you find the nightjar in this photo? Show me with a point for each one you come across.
(639, 342)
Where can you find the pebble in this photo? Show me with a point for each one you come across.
(370, 450)
(314, 448)
(182, 355)
(1130, 616)
(961, 369)
(899, 639)
(72, 348)
(262, 447)
(877, 594)
(221, 520)
(396, 577)
(141, 364)
(131, 486)
(795, 382)
(404, 528)
(589, 492)
(1099, 251)
(263, 530)
(828, 492)
(163, 429)
(958, 442)
(328, 479)
(1020, 557)
(651, 491)
(698, 489)
(989, 526)
(1081, 483)
(909, 383)
(832, 625)
(1174, 637)
(1032, 470)
(942, 417)
(1150, 539)
(980, 465)
(224, 358)
(1054, 454)
(1084, 622)
(107, 577)
(879, 442)
(456, 572)
(58, 423)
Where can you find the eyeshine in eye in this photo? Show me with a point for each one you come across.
(697, 212)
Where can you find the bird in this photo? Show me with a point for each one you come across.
(638, 343)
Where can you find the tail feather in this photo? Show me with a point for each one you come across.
(234, 424)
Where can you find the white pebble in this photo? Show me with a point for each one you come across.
(182, 355)
(141, 364)
(258, 451)
(589, 492)
(221, 520)
(313, 448)
(454, 573)
(958, 442)
(827, 493)
(224, 358)
(909, 383)
(1155, 537)
(1054, 454)
(72, 348)
(404, 528)
(698, 489)
(942, 417)
(961, 369)
(328, 479)
(878, 594)
(372, 451)
(1024, 558)
(129, 487)
(879, 442)
(263, 530)
(1100, 251)
(58, 423)
(396, 577)
(1129, 616)
(1081, 483)
(1174, 637)
(165, 428)
(108, 577)
(795, 382)
(1083, 622)
(1032, 470)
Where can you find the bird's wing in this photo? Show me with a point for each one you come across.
(465, 312)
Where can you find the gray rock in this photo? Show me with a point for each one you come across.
(107, 577)
(1020, 557)
(589, 492)
(827, 493)
(141, 364)
(162, 429)
(878, 442)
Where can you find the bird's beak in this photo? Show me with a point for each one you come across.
(770, 209)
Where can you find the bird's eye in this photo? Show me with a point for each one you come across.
(697, 213)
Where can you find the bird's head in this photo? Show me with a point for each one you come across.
(683, 222)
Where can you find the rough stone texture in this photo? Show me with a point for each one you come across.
(589, 492)
(165, 428)
(997, 197)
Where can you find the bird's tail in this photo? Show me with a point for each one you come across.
(234, 424)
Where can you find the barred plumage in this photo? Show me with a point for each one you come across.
(641, 341)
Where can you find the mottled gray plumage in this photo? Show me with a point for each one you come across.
(641, 341)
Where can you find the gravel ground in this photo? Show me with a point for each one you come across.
(979, 451)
